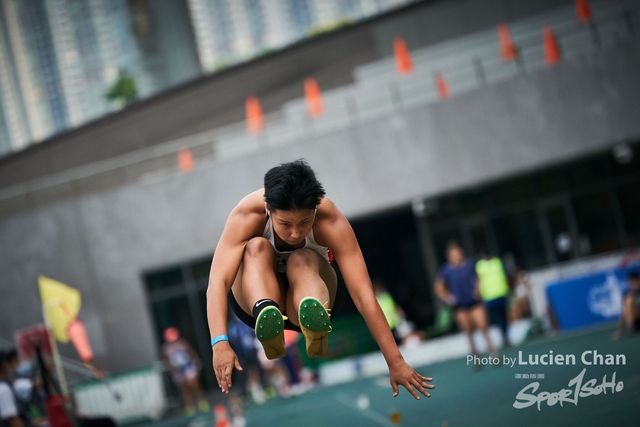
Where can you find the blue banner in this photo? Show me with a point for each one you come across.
(588, 300)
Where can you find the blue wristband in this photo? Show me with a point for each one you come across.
(219, 338)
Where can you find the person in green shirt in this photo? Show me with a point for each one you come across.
(389, 308)
(494, 289)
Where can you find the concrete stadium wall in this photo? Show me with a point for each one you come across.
(101, 243)
(438, 21)
(219, 99)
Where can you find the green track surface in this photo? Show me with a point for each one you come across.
(465, 397)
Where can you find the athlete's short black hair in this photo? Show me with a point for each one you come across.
(292, 186)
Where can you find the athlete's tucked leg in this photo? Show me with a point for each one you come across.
(259, 290)
(312, 290)
(309, 275)
(259, 272)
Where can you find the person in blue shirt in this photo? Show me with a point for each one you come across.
(457, 285)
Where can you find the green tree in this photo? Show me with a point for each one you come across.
(124, 89)
(328, 28)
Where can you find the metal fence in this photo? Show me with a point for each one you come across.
(126, 397)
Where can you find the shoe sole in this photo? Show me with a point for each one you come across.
(315, 325)
(270, 332)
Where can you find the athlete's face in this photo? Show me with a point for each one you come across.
(292, 226)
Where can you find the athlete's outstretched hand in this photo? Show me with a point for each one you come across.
(224, 360)
(403, 374)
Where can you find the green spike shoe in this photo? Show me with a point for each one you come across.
(270, 332)
(315, 324)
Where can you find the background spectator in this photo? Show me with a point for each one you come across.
(9, 413)
(185, 367)
(457, 284)
(494, 290)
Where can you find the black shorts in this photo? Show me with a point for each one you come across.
(248, 319)
(465, 306)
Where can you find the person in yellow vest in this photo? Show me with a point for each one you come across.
(494, 289)
(389, 308)
(404, 332)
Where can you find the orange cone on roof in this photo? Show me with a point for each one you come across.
(185, 160)
(404, 64)
(551, 48)
(442, 86)
(583, 11)
(255, 118)
(508, 50)
(315, 106)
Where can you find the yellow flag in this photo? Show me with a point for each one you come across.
(60, 304)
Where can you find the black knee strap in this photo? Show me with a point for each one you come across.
(261, 304)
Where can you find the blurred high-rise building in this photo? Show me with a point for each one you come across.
(57, 60)
(165, 42)
(14, 129)
(30, 59)
(230, 31)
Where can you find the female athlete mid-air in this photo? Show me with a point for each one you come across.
(284, 260)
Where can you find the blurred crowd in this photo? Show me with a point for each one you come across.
(22, 396)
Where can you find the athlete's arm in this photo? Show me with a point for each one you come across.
(224, 268)
(336, 232)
